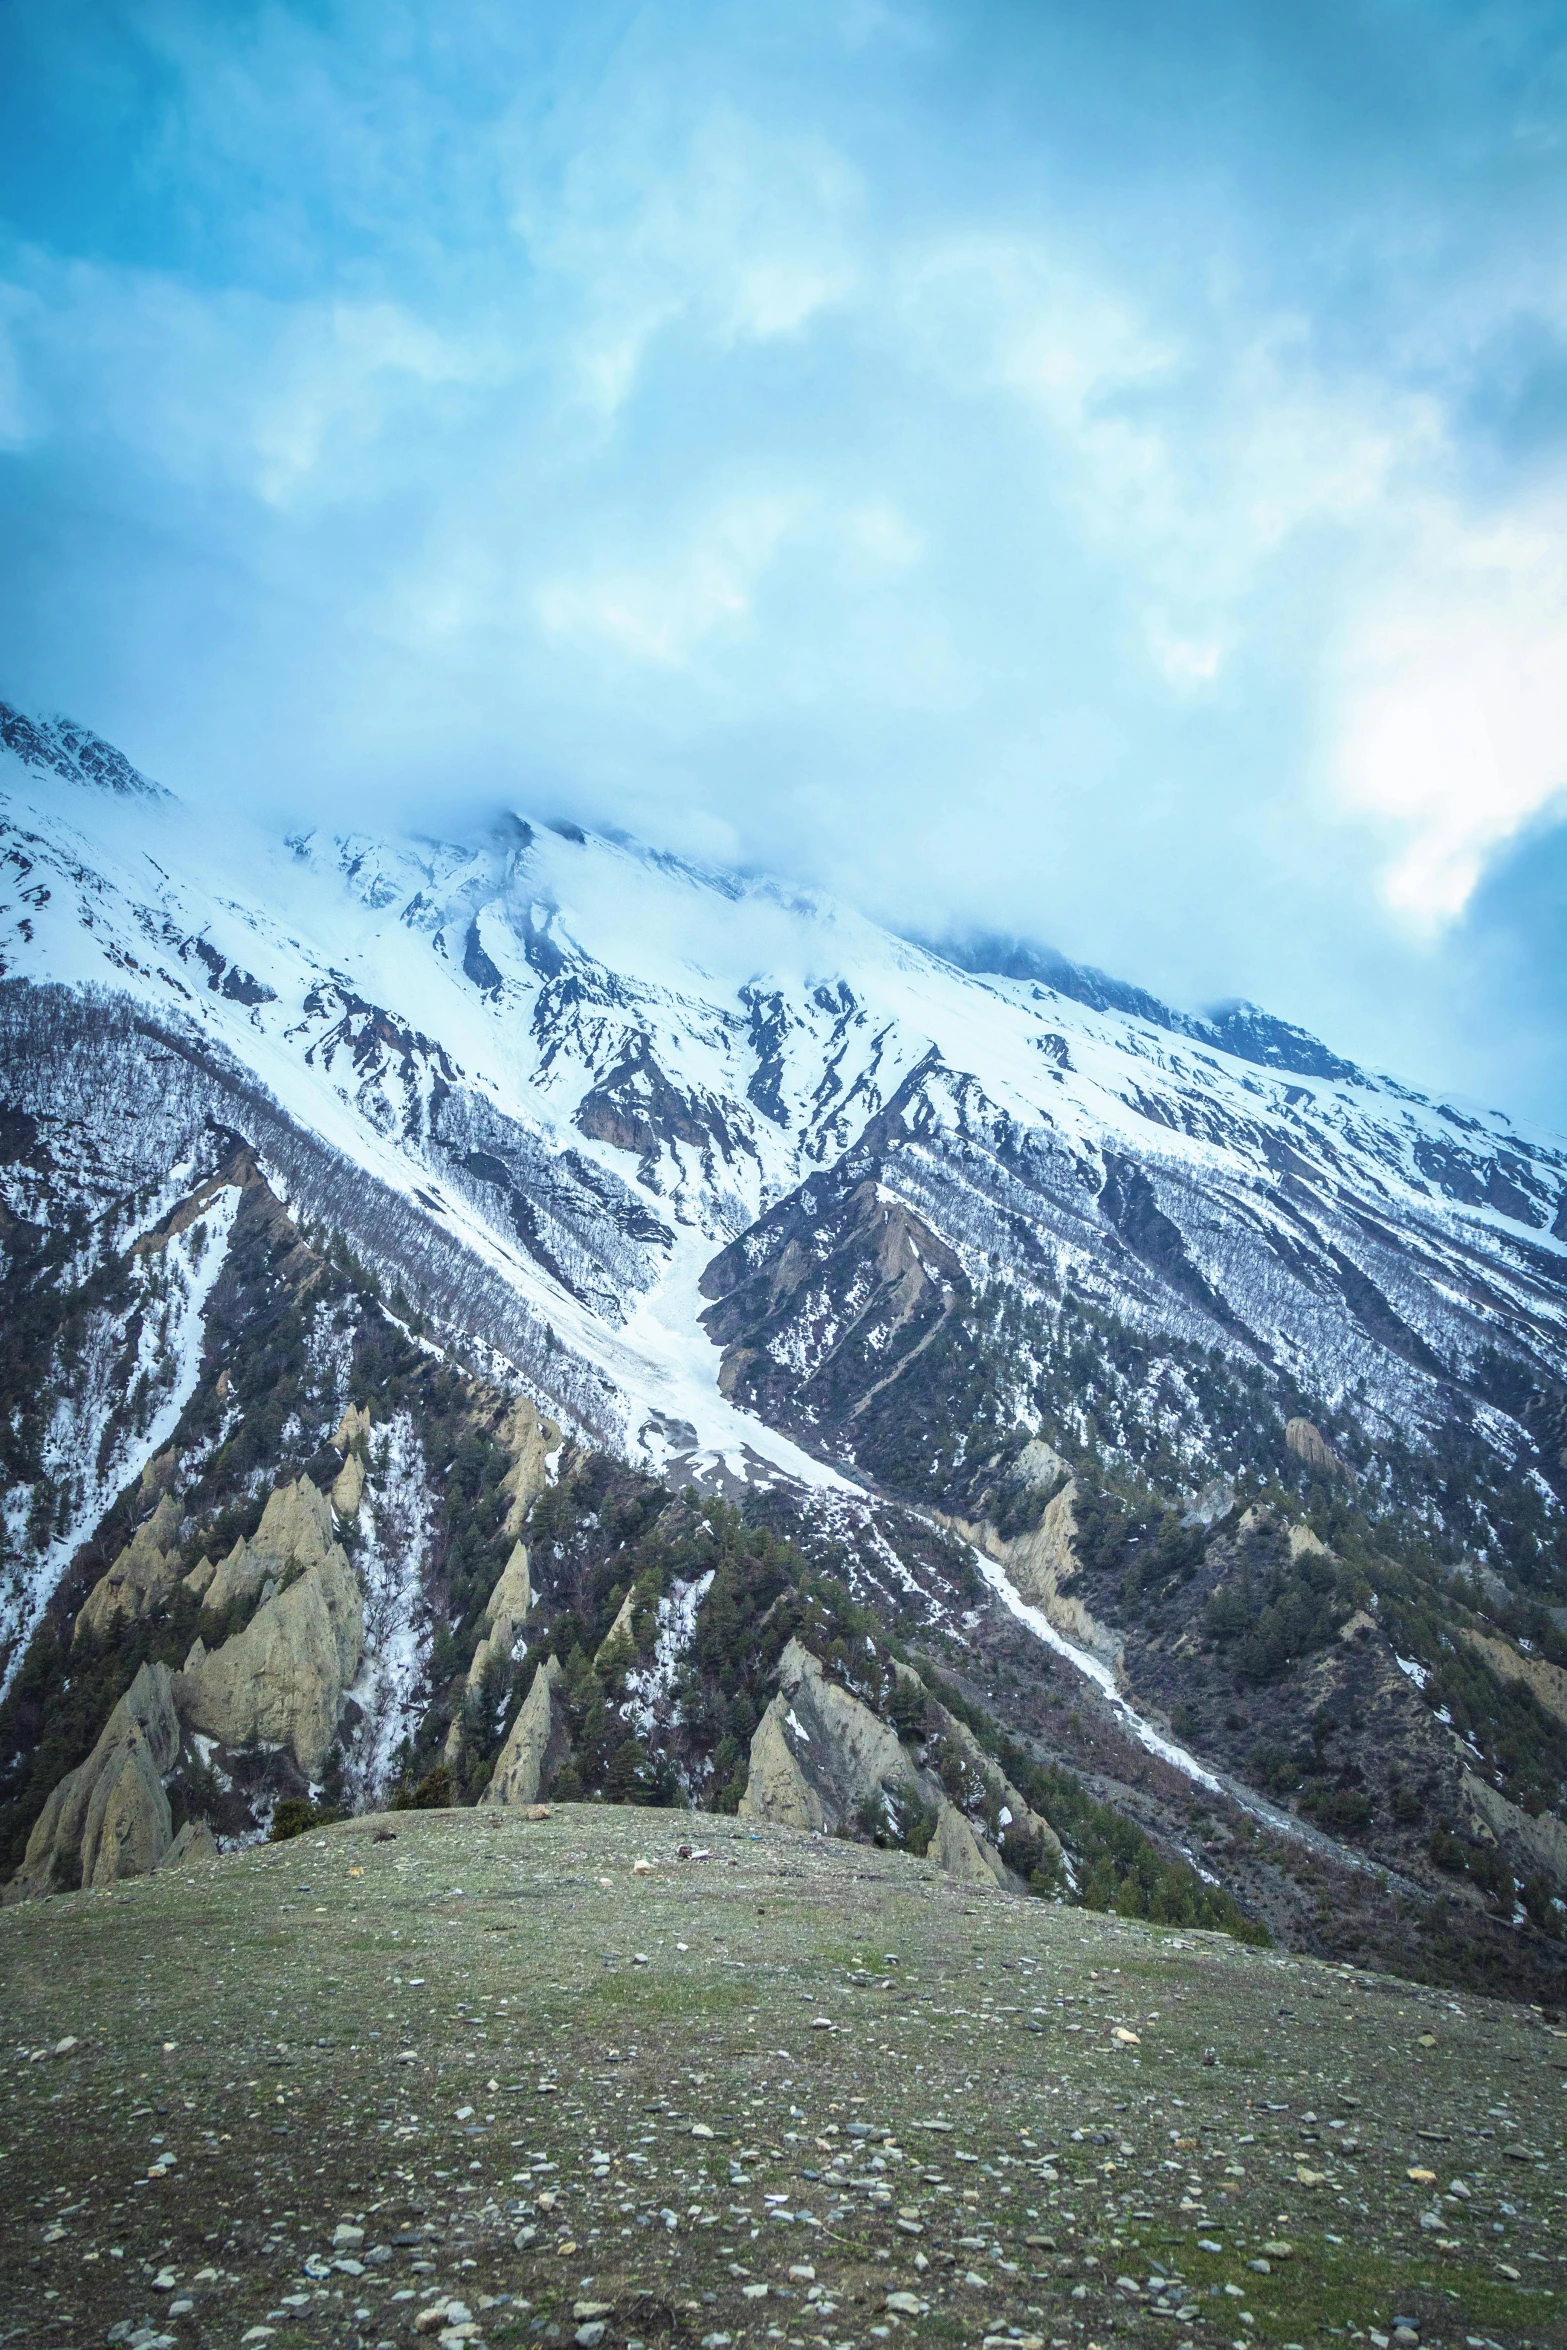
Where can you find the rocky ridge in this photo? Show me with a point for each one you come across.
(1059, 1340)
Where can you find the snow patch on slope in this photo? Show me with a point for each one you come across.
(397, 1523)
(172, 1283)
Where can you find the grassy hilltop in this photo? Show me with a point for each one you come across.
(507, 2081)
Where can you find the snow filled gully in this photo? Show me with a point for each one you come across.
(171, 1341)
(1094, 1669)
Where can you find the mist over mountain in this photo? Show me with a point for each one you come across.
(480, 1311)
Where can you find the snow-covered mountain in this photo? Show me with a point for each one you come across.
(1175, 1348)
(587, 1068)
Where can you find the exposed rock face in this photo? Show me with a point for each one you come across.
(506, 1606)
(1308, 1444)
(1547, 1682)
(777, 1788)
(619, 1644)
(200, 1577)
(239, 1576)
(281, 1680)
(194, 1842)
(145, 1572)
(838, 1753)
(1537, 1843)
(295, 1531)
(348, 1490)
(530, 1440)
(504, 1610)
(956, 1849)
(1040, 1565)
(353, 1431)
(1540, 1843)
(109, 1818)
(819, 1758)
(526, 1765)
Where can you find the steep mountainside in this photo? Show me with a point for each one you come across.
(1081, 1345)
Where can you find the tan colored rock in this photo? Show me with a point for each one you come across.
(530, 1440)
(956, 1849)
(1545, 1681)
(618, 1647)
(348, 1487)
(1307, 1442)
(845, 1752)
(1038, 1463)
(504, 1611)
(109, 1818)
(819, 1757)
(351, 1437)
(1041, 1564)
(353, 1427)
(537, 1745)
(1542, 1842)
(295, 1531)
(239, 1576)
(1304, 1543)
(296, 1526)
(195, 1842)
(776, 1788)
(145, 1573)
(281, 1680)
(200, 1577)
(159, 1473)
(512, 1597)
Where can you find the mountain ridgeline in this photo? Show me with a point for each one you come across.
(530, 1319)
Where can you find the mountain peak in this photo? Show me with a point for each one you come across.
(74, 752)
(1237, 1027)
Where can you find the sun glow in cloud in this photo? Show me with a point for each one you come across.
(1455, 718)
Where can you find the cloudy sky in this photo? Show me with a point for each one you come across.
(1091, 473)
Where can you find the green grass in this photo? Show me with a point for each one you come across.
(311, 2082)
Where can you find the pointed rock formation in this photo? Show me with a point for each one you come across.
(957, 1849)
(504, 1610)
(1040, 1565)
(145, 1572)
(1540, 1842)
(239, 1576)
(618, 1647)
(821, 1753)
(200, 1577)
(538, 1744)
(821, 1759)
(530, 1440)
(353, 1431)
(281, 1680)
(1307, 1442)
(348, 1489)
(109, 1818)
(194, 1842)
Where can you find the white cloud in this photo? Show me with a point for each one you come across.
(661, 611)
(1453, 722)
(1190, 451)
(288, 401)
(741, 233)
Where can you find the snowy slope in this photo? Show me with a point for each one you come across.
(593, 1067)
